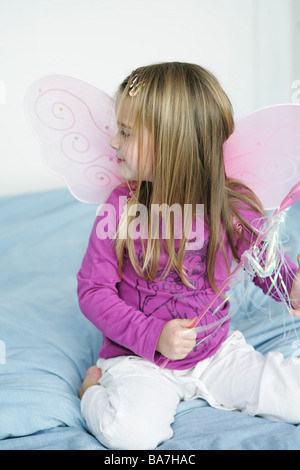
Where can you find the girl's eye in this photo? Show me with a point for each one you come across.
(125, 134)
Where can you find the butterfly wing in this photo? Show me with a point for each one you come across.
(264, 152)
(74, 123)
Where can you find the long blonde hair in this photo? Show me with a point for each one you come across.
(189, 117)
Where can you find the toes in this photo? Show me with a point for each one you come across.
(93, 373)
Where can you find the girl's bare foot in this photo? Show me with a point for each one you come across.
(92, 377)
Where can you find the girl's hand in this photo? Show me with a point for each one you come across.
(295, 292)
(176, 339)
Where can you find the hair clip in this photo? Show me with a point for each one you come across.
(136, 86)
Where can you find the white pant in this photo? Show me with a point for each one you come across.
(135, 404)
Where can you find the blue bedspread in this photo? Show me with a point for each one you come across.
(46, 344)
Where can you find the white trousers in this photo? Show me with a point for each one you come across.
(135, 403)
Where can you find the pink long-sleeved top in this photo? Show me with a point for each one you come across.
(131, 312)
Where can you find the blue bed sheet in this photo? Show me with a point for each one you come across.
(46, 344)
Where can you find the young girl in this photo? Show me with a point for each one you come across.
(142, 292)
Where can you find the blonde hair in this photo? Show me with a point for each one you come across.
(189, 117)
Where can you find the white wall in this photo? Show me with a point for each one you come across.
(251, 45)
(296, 38)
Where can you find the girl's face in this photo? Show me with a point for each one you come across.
(132, 157)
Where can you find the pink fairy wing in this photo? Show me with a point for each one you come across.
(74, 123)
(264, 152)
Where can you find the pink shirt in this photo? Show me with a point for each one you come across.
(131, 312)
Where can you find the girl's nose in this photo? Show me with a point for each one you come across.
(115, 142)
